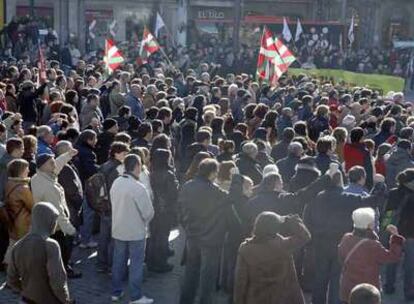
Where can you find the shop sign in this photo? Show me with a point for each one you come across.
(207, 13)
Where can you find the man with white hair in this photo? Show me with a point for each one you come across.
(247, 163)
(45, 139)
(288, 164)
(133, 100)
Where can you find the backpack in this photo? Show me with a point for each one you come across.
(97, 194)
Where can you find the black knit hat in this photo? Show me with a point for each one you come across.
(42, 159)
(109, 123)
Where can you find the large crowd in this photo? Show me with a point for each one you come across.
(305, 187)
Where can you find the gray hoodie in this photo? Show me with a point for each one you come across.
(36, 269)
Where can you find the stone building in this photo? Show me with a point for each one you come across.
(378, 22)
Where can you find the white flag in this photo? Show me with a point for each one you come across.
(287, 35)
(351, 36)
(159, 24)
(299, 31)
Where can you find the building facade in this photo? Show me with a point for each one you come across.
(378, 22)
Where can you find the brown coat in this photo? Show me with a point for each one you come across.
(265, 271)
(19, 202)
(364, 263)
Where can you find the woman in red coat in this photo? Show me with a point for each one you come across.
(362, 255)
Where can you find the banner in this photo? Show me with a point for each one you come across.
(384, 83)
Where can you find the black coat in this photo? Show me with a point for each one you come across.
(329, 215)
(86, 161)
(279, 151)
(285, 203)
(287, 167)
(401, 200)
(303, 177)
(69, 179)
(164, 185)
(264, 159)
(202, 211)
(105, 140)
(249, 167)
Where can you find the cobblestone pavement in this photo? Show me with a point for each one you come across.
(94, 288)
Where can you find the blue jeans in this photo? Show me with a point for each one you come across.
(135, 252)
(86, 229)
(105, 243)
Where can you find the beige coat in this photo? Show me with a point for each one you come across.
(45, 188)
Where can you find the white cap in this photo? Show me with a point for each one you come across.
(363, 218)
(270, 169)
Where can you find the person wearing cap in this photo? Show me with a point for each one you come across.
(39, 277)
(361, 254)
(247, 163)
(28, 104)
(265, 272)
(306, 172)
(46, 188)
(287, 165)
(105, 139)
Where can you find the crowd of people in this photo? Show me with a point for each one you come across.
(305, 187)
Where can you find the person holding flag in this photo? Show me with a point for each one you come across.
(113, 58)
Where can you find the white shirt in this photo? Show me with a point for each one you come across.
(132, 209)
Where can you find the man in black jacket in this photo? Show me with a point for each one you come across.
(247, 163)
(203, 206)
(111, 169)
(329, 217)
(87, 166)
(105, 139)
(69, 179)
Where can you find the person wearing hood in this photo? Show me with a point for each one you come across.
(388, 129)
(45, 187)
(265, 271)
(247, 163)
(287, 165)
(399, 160)
(40, 276)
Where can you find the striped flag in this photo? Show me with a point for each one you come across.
(113, 58)
(148, 45)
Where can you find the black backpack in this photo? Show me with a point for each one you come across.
(97, 194)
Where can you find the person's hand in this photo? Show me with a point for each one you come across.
(73, 152)
(17, 116)
(393, 230)
(333, 169)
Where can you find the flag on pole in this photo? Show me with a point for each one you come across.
(266, 54)
(351, 36)
(41, 66)
(113, 58)
(299, 31)
(148, 45)
(287, 35)
(285, 54)
(159, 24)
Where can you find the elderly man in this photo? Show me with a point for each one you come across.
(287, 165)
(45, 139)
(133, 100)
(46, 188)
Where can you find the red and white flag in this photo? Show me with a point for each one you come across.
(113, 58)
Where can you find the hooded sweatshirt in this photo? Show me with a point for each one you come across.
(39, 276)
